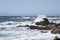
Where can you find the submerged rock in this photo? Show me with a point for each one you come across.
(26, 25)
(54, 29)
(9, 24)
(19, 26)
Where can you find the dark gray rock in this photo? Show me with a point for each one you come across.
(44, 22)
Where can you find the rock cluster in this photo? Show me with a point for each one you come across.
(40, 28)
(55, 28)
(44, 22)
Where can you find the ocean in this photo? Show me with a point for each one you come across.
(9, 31)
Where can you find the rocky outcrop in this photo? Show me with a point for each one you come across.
(44, 22)
(9, 24)
(55, 30)
(3, 28)
(54, 27)
(32, 27)
(40, 27)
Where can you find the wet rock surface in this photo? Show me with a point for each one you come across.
(44, 22)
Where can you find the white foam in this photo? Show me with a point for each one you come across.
(25, 17)
(27, 35)
(22, 33)
(40, 18)
(6, 24)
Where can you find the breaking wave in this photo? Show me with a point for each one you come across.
(9, 31)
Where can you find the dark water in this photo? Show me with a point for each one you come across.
(24, 18)
(14, 18)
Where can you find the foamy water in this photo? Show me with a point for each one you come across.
(10, 31)
(23, 33)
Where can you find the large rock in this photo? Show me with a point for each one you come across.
(40, 28)
(32, 27)
(44, 22)
(58, 27)
(54, 29)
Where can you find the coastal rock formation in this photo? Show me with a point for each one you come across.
(44, 22)
(9, 24)
(32, 27)
(55, 30)
(40, 27)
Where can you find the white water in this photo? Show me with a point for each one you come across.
(11, 32)
(40, 18)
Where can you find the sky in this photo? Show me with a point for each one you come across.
(29, 7)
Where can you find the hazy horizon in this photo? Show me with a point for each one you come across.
(29, 7)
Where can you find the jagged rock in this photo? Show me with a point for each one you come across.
(40, 23)
(39, 28)
(57, 25)
(32, 27)
(58, 30)
(44, 22)
(54, 29)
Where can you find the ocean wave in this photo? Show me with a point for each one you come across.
(10, 31)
